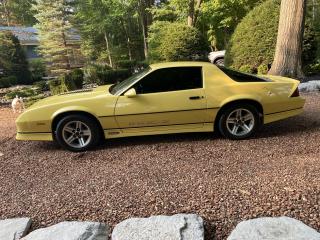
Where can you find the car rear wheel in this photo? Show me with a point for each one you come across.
(239, 122)
(77, 133)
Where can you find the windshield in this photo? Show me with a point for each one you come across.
(119, 87)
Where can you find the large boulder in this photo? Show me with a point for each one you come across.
(71, 231)
(176, 227)
(14, 229)
(280, 228)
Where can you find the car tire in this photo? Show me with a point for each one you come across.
(239, 122)
(77, 133)
(219, 62)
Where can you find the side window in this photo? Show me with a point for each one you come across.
(170, 79)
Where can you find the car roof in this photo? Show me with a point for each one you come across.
(179, 64)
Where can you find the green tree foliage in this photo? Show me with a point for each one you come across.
(12, 59)
(219, 18)
(54, 26)
(110, 30)
(17, 12)
(38, 69)
(254, 40)
(175, 41)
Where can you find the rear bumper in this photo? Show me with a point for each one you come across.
(33, 136)
(272, 117)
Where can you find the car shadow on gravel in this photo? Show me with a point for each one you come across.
(292, 126)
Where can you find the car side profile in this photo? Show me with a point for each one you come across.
(165, 98)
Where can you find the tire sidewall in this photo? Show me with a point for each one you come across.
(88, 121)
(223, 121)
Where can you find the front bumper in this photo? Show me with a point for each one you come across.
(32, 136)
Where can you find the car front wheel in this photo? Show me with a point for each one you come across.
(239, 122)
(77, 133)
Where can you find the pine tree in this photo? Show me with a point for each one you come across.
(53, 26)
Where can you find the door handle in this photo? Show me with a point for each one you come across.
(195, 97)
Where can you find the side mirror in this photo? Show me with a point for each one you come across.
(131, 93)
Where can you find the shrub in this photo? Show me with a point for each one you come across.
(100, 75)
(8, 81)
(12, 58)
(76, 77)
(42, 86)
(246, 69)
(113, 76)
(57, 86)
(176, 42)
(254, 40)
(37, 69)
(126, 64)
(24, 92)
(263, 69)
(67, 82)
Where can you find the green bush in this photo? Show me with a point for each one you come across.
(100, 75)
(254, 40)
(13, 61)
(8, 81)
(76, 77)
(246, 69)
(24, 92)
(176, 42)
(263, 69)
(42, 86)
(126, 64)
(67, 82)
(113, 76)
(57, 86)
(37, 69)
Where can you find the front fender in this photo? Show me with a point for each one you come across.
(73, 109)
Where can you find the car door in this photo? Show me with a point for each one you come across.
(166, 99)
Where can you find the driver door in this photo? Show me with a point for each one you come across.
(166, 99)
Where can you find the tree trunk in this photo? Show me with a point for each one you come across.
(197, 10)
(128, 40)
(68, 65)
(7, 12)
(108, 49)
(145, 36)
(288, 55)
(190, 13)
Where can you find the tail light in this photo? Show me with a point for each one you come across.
(295, 93)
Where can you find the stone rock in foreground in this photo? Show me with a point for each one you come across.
(280, 228)
(14, 229)
(176, 227)
(71, 231)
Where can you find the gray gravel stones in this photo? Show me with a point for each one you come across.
(176, 227)
(71, 231)
(14, 229)
(282, 228)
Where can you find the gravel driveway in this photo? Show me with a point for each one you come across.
(277, 173)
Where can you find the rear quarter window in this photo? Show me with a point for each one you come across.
(242, 77)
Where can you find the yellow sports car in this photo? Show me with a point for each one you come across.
(164, 98)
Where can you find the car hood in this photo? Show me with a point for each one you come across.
(72, 96)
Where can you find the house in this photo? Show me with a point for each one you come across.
(29, 40)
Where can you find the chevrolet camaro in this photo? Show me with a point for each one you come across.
(164, 98)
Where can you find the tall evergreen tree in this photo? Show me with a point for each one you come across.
(12, 58)
(53, 26)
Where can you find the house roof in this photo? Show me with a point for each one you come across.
(29, 35)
